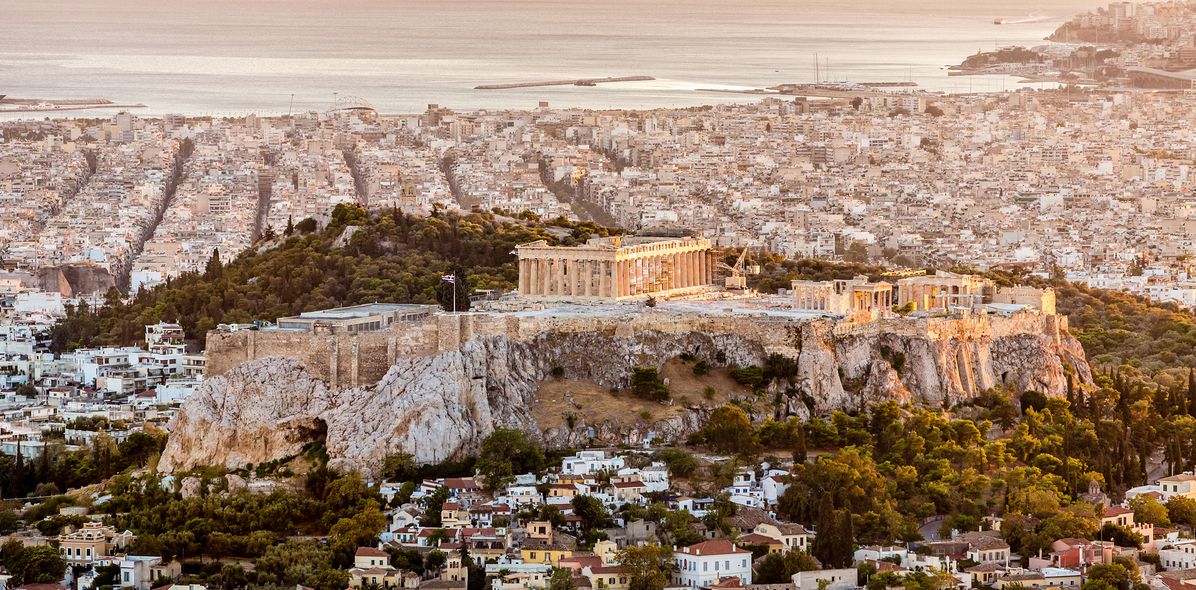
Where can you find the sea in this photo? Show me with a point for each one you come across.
(234, 57)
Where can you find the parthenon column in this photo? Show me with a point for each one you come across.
(623, 275)
(665, 273)
(617, 283)
(638, 272)
(647, 270)
(587, 277)
(678, 270)
(684, 269)
(620, 278)
(524, 277)
(674, 271)
(547, 274)
(654, 270)
(574, 271)
(533, 274)
(691, 265)
(596, 267)
(603, 278)
(651, 274)
(560, 276)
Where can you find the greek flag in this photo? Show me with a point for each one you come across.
(449, 278)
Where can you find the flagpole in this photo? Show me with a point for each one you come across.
(452, 278)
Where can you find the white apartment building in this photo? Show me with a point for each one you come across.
(1178, 555)
(701, 565)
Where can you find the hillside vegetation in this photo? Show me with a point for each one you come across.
(868, 477)
(391, 257)
(357, 258)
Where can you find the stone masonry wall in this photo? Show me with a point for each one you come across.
(350, 360)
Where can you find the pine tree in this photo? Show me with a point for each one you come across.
(290, 227)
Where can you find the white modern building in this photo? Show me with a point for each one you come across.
(587, 462)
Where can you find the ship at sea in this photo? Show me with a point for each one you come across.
(1000, 21)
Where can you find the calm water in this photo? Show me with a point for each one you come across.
(233, 57)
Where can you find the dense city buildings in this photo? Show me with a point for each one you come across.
(1093, 185)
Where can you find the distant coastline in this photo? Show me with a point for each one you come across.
(46, 105)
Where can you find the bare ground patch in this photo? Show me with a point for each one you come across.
(559, 399)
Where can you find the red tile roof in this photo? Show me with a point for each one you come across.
(370, 552)
(715, 547)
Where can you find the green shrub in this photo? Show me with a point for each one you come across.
(647, 384)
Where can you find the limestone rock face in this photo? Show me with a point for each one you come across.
(259, 412)
(441, 406)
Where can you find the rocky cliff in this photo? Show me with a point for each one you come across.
(441, 405)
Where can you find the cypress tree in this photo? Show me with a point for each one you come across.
(799, 451)
(1192, 392)
(19, 481)
(845, 541)
(214, 268)
(826, 540)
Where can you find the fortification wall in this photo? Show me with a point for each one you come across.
(350, 360)
(341, 360)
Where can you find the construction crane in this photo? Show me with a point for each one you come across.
(743, 267)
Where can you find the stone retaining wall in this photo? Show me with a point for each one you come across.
(350, 360)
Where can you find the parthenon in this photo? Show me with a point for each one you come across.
(615, 268)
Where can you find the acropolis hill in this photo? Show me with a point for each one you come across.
(381, 378)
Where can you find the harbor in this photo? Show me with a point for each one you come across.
(575, 82)
(37, 105)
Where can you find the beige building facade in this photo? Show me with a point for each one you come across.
(942, 291)
(94, 542)
(1042, 300)
(615, 268)
(946, 291)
